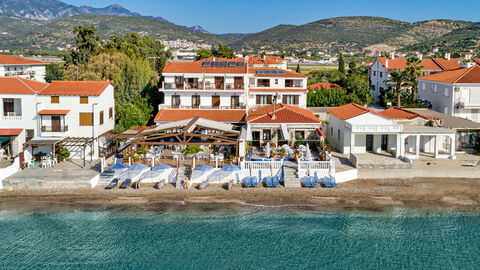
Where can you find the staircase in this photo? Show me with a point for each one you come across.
(183, 173)
(291, 175)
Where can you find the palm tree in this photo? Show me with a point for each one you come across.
(413, 69)
(399, 79)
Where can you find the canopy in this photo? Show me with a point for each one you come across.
(222, 176)
(161, 167)
(286, 135)
(138, 167)
(4, 139)
(231, 168)
(118, 166)
(203, 168)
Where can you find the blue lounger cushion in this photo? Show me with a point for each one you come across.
(247, 182)
(254, 181)
(112, 184)
(126, 183)
(313, 182)
(160, 184)
(306, 181)
(333, 181)
(268, 181)
(275, 181)
(326, 181)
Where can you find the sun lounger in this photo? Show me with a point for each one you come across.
(313, 182)
(126, 183)
(254, 181)
(306, 181)
(230, 185)
(268, 181)
(246, 182)
(112, 184)
(275, 181)
(203, 185)
(160, 184)
(326, 181)
(333, 182)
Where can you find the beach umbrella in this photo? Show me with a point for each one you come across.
(203, 168)
(330, 169)
(308, 154)
(138, 167)
(118, 166)
(161, 167)
(231, 168)
(222, 176)
(267, 150)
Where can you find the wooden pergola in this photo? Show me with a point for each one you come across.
(195, 131)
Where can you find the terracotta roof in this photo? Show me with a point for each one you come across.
(462, 75)
(277, 90)
(434, 64)
(75, 88)
(476, 60)
(10, 131)
(196, 67)
(320, 133)
(399, 113)
(13, 60)
(167, 115)
(283, 114)
(350, 110)
(287, 73)
(16, 85)
(53, 112)
(320, 85)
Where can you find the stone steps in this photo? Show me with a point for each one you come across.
(291, 177)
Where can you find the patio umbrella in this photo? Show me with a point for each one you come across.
(161, 167)
(138, 167)
(330, 170)
(267, 150)
(222, 176)
(203, 168)
(231, 168)
(308, 154)
(118, 166)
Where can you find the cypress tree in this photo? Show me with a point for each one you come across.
(341, 64)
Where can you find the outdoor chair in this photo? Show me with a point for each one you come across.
(112, 184)
(306, 181)
(254, 181)
(326, 182)
(246, 181)
(333, 181)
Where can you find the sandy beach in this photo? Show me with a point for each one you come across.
(372, 195)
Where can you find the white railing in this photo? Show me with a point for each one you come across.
(261, 165)
(12, 117)
(373, 128)
(202, 107)
(314, 165)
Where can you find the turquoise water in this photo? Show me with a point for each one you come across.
(238, 239)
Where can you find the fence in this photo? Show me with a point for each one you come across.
(261, 165)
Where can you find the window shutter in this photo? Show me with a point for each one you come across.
(86, 119)
(84, 100)
(269, 99)
(54, 99)
(258, 99)
(110, 113)
(284, 99)
(297, 99)
(101, 117)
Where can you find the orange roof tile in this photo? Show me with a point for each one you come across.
(435, 64)
(287, 73)
(75, 88)
(320, 85)
(167, 115)
(53, 112)
(461, 75)
(278, 90)
(399, 113)
(13, 60)
(350, 110)
(196, 67)
(283, 114)
(10, 131)
(16, 85)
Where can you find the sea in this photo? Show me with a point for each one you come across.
(226, 237)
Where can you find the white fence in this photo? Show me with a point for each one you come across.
(261, 165)
(8, 171)
(321, 168)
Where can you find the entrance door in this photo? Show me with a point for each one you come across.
(384, 142)
(55, 123)
(369, 143)
(256, 138)
(215, 101)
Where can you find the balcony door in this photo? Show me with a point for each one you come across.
(215, 101)
(56, 126)
(238, 82)
(8, 107)
(219, 82)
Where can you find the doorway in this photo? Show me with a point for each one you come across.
(384, 142)
(369, 143)
(219, 82)
(215, 101)
(256, 138)
(55, 123)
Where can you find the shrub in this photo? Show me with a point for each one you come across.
(192, 149)
(62, 152)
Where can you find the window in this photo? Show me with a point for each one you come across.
(110, 113)
(54, 99)
(86, 119)
(263, 83)
(445, 92)
(381, 74)
(435, 89)
(299, 135)
(266, 134)
(445, 110)
(235, 101)
(338, 134)
(101, 117)
(290, 99)
(264, 99)
(424, 87)
(374, 73)
(175, 101)
(331, 131)
(195, 101)
(84, 100)
(29, 133)
(276, 81)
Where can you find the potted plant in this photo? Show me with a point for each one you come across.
(282, 153)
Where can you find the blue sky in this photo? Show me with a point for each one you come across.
(246, 16)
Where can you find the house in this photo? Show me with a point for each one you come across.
(72, 113)
(455, 92)
(281, 124)
(354, 129)
(22, 68)
(381, 67)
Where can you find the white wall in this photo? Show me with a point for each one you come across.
(32, 72)
(379, 82)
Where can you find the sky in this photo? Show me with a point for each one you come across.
(248, 16)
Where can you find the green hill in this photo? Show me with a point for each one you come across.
(14, 27)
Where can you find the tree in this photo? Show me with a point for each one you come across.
(399, 79)
(224, 52)
(413, 70)
(203, 54)
(54, 72)
(298, 68)
(341, 64)
(88, 43)
(352, 67)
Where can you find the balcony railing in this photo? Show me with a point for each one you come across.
(201, 107)
(54, 128)
(203, 86)
(470, 103)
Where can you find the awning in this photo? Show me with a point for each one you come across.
(10, 131)
(4, 139)
(53, 112)
(286, 135)
(42, 142)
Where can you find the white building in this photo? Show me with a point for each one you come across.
(354, 129)
(47, 114)
(22, 67)
(455, 92)
(381, 67)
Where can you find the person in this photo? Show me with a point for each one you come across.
(185, 183)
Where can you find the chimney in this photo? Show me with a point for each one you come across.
(468, 56)
(447, 56)
(386, 63)
(274, 103)
(420, 56)
(392, 55)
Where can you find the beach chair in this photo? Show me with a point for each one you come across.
(268, 181)
(254, 181)
(112, 184)
(275, 181)
(246, 182)
(333, 182)
(306, 181)
(313, 182)
(326, 182)
(160, 184)
(126, 183)
(315, 178)
(230, 185)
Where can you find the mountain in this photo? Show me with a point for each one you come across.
(14, 27)
(198, 28)
(349, 33)
(58, 33)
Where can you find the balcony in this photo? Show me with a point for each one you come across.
(11, 116)
(54, 128)
(469, 103)
(202, 86)
(202, 107)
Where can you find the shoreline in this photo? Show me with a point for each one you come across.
(445, 194)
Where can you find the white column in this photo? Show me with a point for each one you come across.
(417, 146)
(452, 146)
(398, 145)
(352, 143)
(437, 142)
